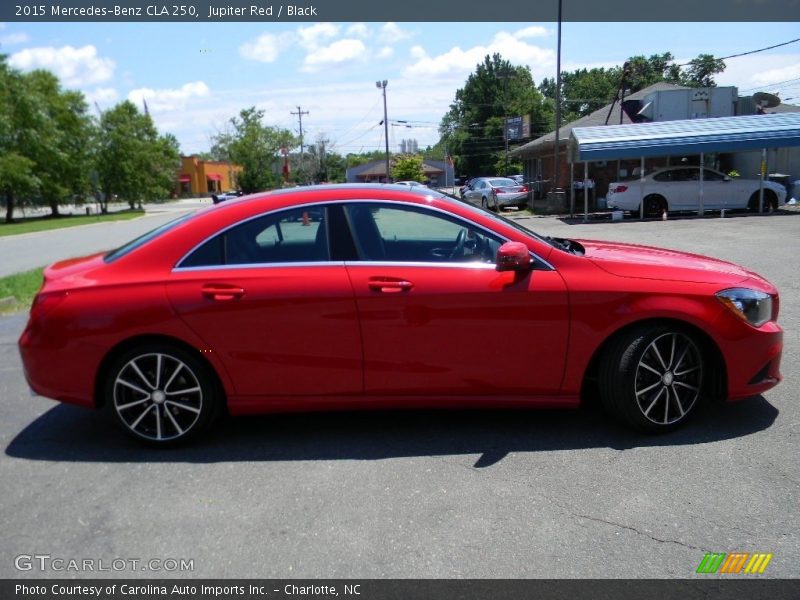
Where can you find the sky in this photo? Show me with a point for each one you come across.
(196, 76)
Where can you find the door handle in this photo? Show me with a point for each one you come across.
(389, 286)
(222, 293)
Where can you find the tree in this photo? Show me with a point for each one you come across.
(408, 167)
(255, 147)
(473, 127)
(61, 155)
(323, 163)
(133, 161)
(700, 71)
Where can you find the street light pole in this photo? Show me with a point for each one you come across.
(382, 85)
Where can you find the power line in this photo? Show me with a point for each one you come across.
(751, 51)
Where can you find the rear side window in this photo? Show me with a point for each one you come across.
(298, 235)
(143, 239)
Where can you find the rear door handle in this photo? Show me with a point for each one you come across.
(389, 286)
(222, 293)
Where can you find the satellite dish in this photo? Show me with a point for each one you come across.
(764, 100)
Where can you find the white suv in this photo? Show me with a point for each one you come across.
(678, 188)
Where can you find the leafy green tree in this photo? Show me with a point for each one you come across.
(473, 127)
(408, 167)
(61, 155)
(133, 161)
(255, 147)
(700, 71)
(323, 163)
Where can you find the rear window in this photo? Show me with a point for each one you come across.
(501, 182)
(143, 239)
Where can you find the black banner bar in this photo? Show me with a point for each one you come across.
(405, 11)
(400, 589)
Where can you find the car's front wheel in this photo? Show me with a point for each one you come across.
(652, 377)
(654, 206)
(160, 394)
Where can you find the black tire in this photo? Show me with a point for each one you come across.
(654, 206)
(484, 204)
(770, 202)
(639, 381)
(161, 395)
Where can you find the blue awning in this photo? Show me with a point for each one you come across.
(691, 136)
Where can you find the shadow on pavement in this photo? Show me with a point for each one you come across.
(66, 433)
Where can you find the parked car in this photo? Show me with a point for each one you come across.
(250, 307)
(496, 192)
(410, 183)
(229, 195)
(678, 189)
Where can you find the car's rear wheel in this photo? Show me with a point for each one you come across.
(652, 377)
(161, 394)
(770, 201)
(654, 205)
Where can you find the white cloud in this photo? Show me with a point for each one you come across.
(385, 52)
(12, 39)
(317, 35)
(101, 95)
(359, 30)
(338, 52)
(457, 61)
(265, 48)
(74, 66)
(391, 33)
(757, 73)
(532, 31)
(169, 99)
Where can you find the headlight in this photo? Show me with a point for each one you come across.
(750, 305)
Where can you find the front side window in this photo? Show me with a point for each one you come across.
(298, 235)
(410, 234)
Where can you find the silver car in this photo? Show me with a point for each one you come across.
(678, 189)
(495, 193)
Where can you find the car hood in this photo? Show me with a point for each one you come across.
(646, 262)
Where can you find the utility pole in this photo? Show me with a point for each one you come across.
(558, 104)
(382, 85)
(300, 114)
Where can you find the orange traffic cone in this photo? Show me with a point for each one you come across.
(664, 215)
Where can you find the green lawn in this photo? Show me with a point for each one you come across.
(22, 287)
(46, 223)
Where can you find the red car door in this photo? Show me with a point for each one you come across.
(280, 316)
(438, 319)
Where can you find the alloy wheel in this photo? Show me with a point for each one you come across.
(668, 378)
(158, 397)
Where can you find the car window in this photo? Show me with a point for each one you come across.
(298, 235)
(709, 175)
(663, 176)
(143, 239)
(500, 182)
(411, 234)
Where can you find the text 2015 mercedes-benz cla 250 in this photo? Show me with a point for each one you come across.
(344, 297)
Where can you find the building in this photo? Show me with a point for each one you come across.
(437, 173)
(658, 102)
(199, 177)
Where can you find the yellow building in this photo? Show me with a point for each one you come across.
(199, 177)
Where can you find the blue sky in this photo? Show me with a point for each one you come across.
(195, 76)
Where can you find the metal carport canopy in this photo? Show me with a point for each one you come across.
(690, 136)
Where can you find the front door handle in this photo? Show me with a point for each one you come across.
(222, 293)
(388, 285)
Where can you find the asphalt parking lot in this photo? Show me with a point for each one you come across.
(481, 494)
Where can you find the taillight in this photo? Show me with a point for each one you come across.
(524, 188)
(617, 189)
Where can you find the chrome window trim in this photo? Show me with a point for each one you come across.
(393, 203)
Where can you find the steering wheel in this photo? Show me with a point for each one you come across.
(461, 239)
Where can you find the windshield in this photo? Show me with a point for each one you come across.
(500, 218)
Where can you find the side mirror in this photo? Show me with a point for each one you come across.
(513, 256)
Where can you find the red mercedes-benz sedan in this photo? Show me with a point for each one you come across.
(359, 296)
